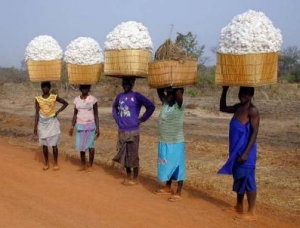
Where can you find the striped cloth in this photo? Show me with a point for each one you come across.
(170, 123)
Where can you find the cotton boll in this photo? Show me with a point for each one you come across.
(83, 51)
(250, 32)
(43, 47)
(129, 35)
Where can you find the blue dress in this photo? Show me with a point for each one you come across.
(243, 173)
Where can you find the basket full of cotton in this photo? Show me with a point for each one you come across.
(128, 50)
(248, 49)
(43, 57)
(84, 59)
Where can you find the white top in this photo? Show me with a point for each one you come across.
(85, 113)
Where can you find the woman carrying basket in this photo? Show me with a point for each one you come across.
(171, 145)
(86, 121)
(46, 124)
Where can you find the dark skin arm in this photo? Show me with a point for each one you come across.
(179, 96)
(37, 109)
(223, 105)
(96, 116)
(161, 94)
(62, 101)
(254, 124)
(73, 121)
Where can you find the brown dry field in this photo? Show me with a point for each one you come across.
(206, 133)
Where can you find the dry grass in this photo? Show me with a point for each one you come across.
(278, 166)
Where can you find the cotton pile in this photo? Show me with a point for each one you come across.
(43, 47)
(250, 32)
(83, 51)
(129, 35)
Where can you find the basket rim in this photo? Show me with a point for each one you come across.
(95, 64)
(256, 53)
(31, 60)
(117, 50)
(173, 60)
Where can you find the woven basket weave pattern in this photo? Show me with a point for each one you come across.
(84, 74)
(246, 70)
(122, 63)
(165, 73)
(44, 70)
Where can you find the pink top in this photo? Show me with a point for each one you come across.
(85, 113)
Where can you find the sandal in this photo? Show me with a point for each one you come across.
(130, 182)
(46, 167)
(55, 168)
(163, 191)
(175, 198)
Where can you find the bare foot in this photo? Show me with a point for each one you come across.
(89, 169)
(247, 217)
(234, 210)
(82, 168)
(46, 167)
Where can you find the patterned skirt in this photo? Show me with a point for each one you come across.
(171, 161)
(85, 136)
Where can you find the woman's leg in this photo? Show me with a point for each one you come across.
(128, 173)
(55, 157)
(91, 156)
(82, 159)
(55, 154)
(135, 173)
(239, 207)
(179, 187)
(177, 195)
(168, 184)
(46, 157)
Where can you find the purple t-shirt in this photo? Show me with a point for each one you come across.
(126, 110)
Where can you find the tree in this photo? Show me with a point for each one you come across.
(189, 44)
(288, 60)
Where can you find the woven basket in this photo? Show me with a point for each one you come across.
(84, 74)
(165, 73)
(44, 70)
(246, 70)
(122, 63)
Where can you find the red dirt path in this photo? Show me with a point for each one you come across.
(33, 198)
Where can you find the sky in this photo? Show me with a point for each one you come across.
(65, 20)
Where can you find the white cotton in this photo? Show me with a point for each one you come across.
(43, 47)
(129, 35)
(250, 32)
(83, 51)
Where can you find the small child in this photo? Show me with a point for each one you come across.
(46, 124)
(86, 121)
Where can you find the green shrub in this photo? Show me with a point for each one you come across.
(192, 93)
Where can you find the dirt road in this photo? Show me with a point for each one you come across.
(32, 198)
